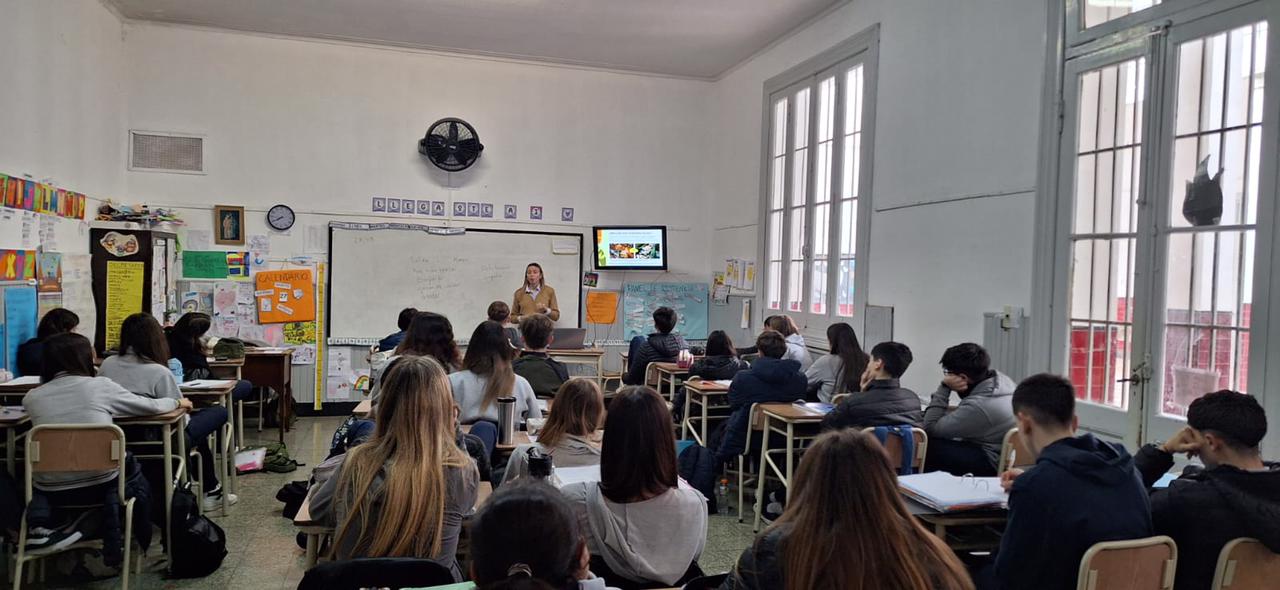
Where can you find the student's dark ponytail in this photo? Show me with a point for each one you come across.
(526, 537)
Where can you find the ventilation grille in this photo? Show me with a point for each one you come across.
(166, 152)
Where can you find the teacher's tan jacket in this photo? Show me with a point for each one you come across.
(523, 304)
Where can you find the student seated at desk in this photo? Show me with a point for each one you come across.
(846, 526)
(500, 312)
(840, 371)
(720, 363)
(569, 434)
(486, 375)
(402, 321)
(429, 334)
(967, 440)
(140, 367)
(57, 321)
(70, 394)
(796, 349)
(883, 401)
(661, 346)
(770, 379)
(548, 545)
(404, 492)
(643, 523)
(543, 373)
(186, 343)
(1236, 494)
(1081, 491)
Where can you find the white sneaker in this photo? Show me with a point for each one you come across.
(214, 501)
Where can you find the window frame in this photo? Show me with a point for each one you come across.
(1077, 34)
(860, 49)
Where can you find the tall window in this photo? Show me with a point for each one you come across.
(814, 154)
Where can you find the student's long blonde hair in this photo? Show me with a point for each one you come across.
(414, 442)
(578, 411)
(850, 529)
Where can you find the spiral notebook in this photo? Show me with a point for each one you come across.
(948, 493)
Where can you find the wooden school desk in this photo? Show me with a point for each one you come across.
(220, 393)
(589, 357)
(978, 530)
(19, 387)
(703, 394)
(270, 367)
(669, 373)
(783, 419)
(13, 420)
(169, 423)
(363, 409)
(316, 532)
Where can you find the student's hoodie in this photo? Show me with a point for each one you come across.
(1081, 491)
(983, 417)
(1205, 508)
(656, 348)
(768, 380)
(713, 368)
(797, 351)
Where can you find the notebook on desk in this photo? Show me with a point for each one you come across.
(944, 492)
(819, 407)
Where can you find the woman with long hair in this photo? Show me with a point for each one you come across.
(534, 296)
(429, 334)
(404, 492)
(544, 549)
(142, 367)
(796, 349)
(569, 435)
(841, 371)
(186, 343)
(486, 375)
(643, 522)
(846, 526)
(56, 321)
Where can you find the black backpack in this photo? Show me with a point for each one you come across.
(197, 545)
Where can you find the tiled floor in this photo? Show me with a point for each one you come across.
(260, 543)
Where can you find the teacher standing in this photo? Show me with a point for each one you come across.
(534, 296)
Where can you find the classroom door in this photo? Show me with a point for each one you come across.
(1166, 165)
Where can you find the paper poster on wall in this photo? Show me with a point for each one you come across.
(20, 311)
(190, 301)
(77, 291)
(224, 300)
(300, 332)
(244, 294)
(238, 265)
(304, 354)
(198, 239)
(260, 243)
(197, 264)
(295, 309)
(124, 296)
(257, 262)
(17, 265)
(689, 300)
(46, 302)
(49, 272)
(602, 307)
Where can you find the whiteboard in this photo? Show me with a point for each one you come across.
(378, 269)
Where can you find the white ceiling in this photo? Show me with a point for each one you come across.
(692, 38)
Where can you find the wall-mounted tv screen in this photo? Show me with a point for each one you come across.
(630, 247)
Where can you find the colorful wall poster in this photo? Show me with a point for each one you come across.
(49, 272)
(21, 193)
(124, 296)
(689, 300)
(20, 321)
(238, 265)
(300, 333)
(17, 265)
(285, 296)
(198, 264)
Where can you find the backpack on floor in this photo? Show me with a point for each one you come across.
(278, 460)
(293, 494)
(197, 544)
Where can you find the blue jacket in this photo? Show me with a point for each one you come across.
(1081, 491)
(391, 342)
(767, 380)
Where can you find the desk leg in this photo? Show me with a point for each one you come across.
(791, 453)
(600, 371)
(760, 476)
(684, 424)
(706, 400)
(167, 436)
(286, 407)
(313, 549)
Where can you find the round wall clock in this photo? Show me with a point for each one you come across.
(280, 217)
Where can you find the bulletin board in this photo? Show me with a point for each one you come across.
(285, 296)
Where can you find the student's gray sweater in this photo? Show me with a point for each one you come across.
(74, 399)
(140, 376)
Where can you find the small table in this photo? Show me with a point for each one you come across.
(270, 367)
(18, 387)
(230, 368)
(166, 422)
(670, 373)
(590, 357)
(220, 393)
(702, 393)
(783, 419)
(987, 520)
(363, 409)
(12, 419)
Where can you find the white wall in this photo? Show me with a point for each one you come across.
(958, 109)
(324, 127)
(62, 97)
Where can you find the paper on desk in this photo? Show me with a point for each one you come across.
(207, 383)
(724, 382)
(28, 380)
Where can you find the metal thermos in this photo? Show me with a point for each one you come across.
(506, 420)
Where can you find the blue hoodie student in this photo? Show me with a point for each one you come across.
(769, 379)
(1081, 491)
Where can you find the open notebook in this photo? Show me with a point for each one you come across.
(947, 493)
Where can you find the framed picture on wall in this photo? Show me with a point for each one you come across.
(228, 225)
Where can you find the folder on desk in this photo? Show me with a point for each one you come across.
(947, 493)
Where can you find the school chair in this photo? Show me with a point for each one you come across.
(1013, 452)
(1136, 564)
(71, 448)
(837, 398)
(893, 446)
(376, 572)
(755, 422)
(710, 582)
(1246, 564)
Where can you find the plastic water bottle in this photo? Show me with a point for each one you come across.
(722, 497)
